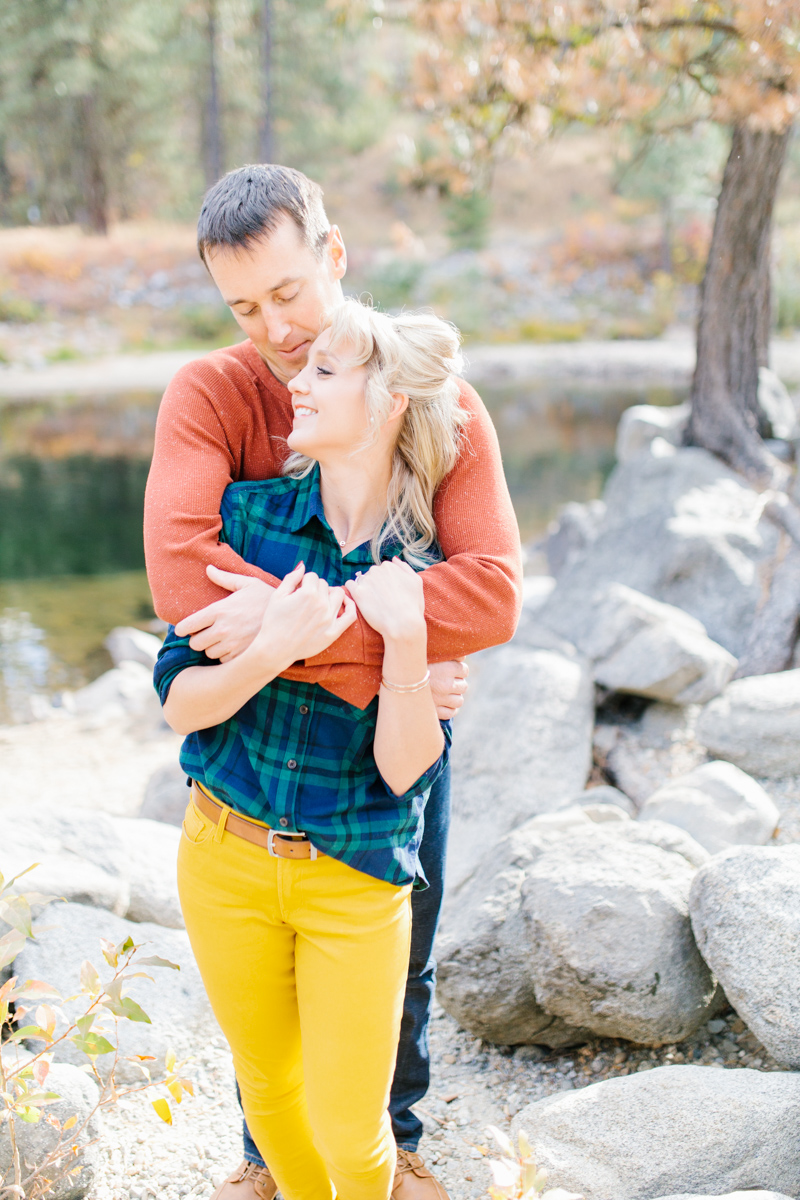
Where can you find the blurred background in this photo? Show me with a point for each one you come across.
(115, 117)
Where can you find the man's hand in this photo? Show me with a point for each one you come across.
(449, 686)
(227, 627)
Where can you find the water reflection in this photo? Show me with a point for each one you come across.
(25, 663)
(72, 477)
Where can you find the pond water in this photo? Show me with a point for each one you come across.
(72, 477)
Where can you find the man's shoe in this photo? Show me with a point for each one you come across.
(413, 1180)
(250, 1182)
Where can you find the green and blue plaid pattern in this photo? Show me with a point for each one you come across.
(295, 756)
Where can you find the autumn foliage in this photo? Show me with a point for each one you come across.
(492, 70)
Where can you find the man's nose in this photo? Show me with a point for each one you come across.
(277, 330)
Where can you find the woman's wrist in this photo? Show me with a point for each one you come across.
(407, 635)
(405, 659)
(264, 658)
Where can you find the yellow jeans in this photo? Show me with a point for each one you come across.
(305, 966)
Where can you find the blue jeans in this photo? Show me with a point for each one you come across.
(413, 1069)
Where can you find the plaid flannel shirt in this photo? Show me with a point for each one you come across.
(295, 756)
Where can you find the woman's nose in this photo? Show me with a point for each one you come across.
(298, 384)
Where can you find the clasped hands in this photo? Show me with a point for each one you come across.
(304, 615)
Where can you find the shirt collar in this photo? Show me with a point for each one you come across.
(308, 504)
(308, 501)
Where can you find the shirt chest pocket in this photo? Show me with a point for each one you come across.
(362, 736)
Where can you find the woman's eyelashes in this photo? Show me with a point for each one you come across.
(323, 371)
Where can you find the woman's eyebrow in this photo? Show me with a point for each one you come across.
(326, 354)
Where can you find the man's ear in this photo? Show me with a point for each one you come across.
(336, 251)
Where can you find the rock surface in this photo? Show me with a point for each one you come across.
(611, 947)
(523, 744)
(569, 927)
(125, 643)
(79, 1094)
(166, 795)
(175, 1001)
(126, 690)
(755, 724)
(125, 865)
(745, 908)
(643, 755)
(682, 528)
(719, 805)
(641, 424)
(606, 794)
(683, 1129)
(748, 1195)
(647, 648)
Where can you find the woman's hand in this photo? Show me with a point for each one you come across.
(304, 617)
(390, 599)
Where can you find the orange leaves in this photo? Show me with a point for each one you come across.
(488, 65)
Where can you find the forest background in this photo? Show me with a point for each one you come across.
(536, 172)
(115, 117)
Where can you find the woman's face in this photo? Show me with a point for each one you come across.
(328, 398)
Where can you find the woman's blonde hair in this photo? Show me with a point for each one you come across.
(418, 355)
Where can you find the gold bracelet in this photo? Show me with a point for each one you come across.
(406, 687)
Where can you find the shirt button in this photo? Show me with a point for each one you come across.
(284, 821)
(304, 709)
(292, 764)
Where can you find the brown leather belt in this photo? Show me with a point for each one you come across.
(279, 845)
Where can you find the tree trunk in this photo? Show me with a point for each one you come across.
(266, 132)
(94, 182)
(212, 125)
(734, 323)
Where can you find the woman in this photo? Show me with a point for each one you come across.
(300, 842)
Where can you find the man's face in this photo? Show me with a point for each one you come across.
(278, 290)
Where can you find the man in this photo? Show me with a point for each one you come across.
(266, 241)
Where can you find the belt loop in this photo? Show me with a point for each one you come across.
(222, 822)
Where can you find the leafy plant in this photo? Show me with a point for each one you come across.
(468, 220)
(516, 1176)
(18, 310)
(392, 283)
(24, 1092)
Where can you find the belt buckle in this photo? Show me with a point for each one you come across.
(273, 833)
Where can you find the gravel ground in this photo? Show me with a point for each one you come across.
(473, 1085)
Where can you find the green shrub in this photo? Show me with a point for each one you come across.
(18, 310)
(26, 1014)
(392, 284)
(468, 220)
(209, 323)
(787, 308)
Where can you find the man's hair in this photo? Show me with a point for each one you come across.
(248, 203)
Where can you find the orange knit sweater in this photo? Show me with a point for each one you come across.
(226, 417)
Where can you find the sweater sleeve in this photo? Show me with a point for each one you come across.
(473, 599)
(197, 454)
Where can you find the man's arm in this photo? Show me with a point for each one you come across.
(194, 460)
